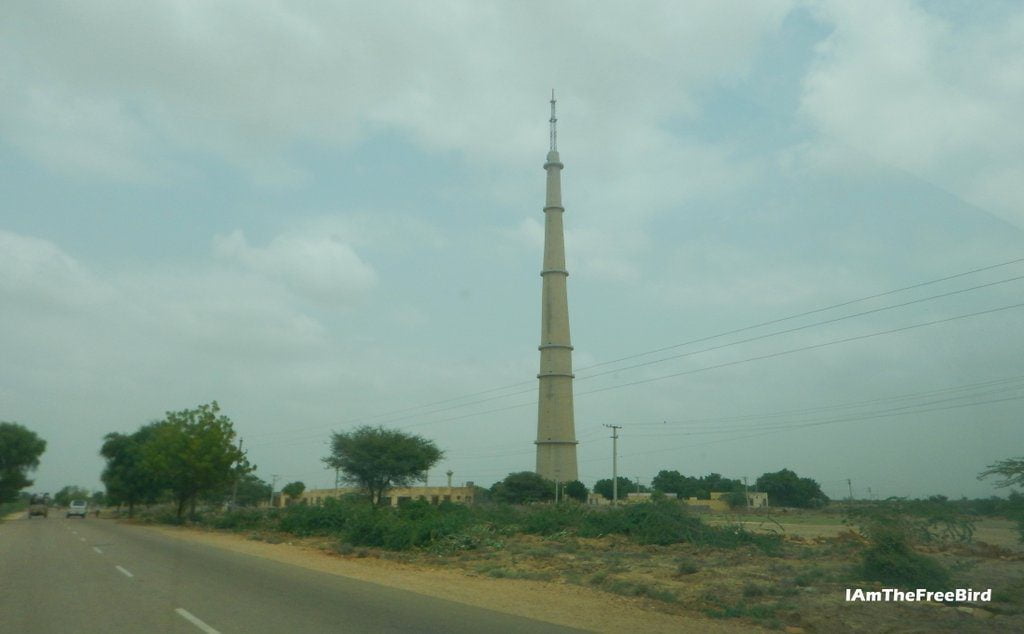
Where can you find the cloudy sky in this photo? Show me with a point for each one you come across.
(795, 231)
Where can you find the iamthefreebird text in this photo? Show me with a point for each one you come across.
(920, 594)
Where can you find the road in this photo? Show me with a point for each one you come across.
(73, 575)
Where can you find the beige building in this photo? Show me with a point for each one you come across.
(394, 497)
(755, 500)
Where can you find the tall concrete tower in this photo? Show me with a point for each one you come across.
(556, 430)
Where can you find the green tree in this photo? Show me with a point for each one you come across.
(576, 490)
(604, 487)
(376, 459)
(19, 454)
(786, 488)
(251, 490)
(293, 489)
(736, 500)
(675, 482)
(691, 487)
(127, 477)
(523, 487)
(70, 493)
(1010, 470)
(193, 452)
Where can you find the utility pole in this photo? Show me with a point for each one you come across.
(746, 495)
(850, 485)
(273, 483)
(234, 492)
(615, 462)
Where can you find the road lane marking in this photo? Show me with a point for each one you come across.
(82, 538)
(185, 614)
(124, 572)
(98, 551)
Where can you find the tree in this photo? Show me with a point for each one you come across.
(251, 490)
(786, 488)
(127, 477)
(293, 490)
(19, 453)
(576, 490)
(376, 459)
(1010, 470)
(690, 487)
(604, 487)
(736, 500)
(522, 488)
(675, 482)
(193, 452)
(69, 494)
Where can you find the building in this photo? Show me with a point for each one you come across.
(556, 428)
(435, 495)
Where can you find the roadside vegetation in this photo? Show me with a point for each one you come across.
(20, 449)
(778, 568)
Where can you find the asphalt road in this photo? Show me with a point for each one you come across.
(91, 576)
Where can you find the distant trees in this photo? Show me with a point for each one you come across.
(19, 454)
(251, 490)
(625, 485)
(691, 487)
(786, 488)
(376, 459)
(523, 487)
(70, 493)
(576, 490)
(188, 454)
(127, 477)
(293, 490)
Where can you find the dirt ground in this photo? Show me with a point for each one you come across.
(613, 585)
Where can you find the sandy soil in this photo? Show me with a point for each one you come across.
(560, 603)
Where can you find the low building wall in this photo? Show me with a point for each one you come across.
(394, 497)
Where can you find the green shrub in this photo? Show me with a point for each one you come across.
(550, 520)
(328, 519)
(890, 557)
(238, 519)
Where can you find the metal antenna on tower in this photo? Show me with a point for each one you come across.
(554, 120)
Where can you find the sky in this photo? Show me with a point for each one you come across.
(794, 231)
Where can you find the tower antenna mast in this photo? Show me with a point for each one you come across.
(553, 120)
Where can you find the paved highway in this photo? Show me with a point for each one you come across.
(72, 575)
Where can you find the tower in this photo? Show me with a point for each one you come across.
(556, 429)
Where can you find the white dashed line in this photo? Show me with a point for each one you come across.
(185, 614)
(124, 572)
(98, 551)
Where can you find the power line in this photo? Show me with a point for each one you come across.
(416, 408)
(717, 421)
(804, 348)
(822, 423)
(762, 357)
(798, 328)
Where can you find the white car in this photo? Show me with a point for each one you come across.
(79, 508)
